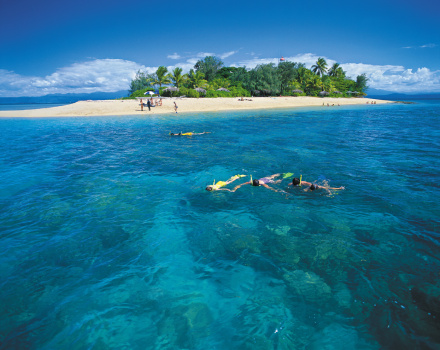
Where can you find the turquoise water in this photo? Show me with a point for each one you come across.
(109, 240)
(16, 107)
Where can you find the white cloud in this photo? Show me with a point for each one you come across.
(204, 54)
(105, 75)
(227, 54)
(430, 46)
(174, 56)
(396, 78)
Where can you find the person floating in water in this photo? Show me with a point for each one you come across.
(310, 186)
(262, 182)
(218, 186)
(189, 133)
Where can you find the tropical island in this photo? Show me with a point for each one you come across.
(209, 78)
(267, 86)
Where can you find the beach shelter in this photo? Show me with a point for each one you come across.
(200, 90)
(297, 91)
(223, 89)
(324, 93)
(171, 88)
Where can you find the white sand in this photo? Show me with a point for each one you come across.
(132, 107)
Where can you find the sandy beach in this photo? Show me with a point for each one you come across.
(185, 105)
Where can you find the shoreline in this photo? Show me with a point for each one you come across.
(132, 107)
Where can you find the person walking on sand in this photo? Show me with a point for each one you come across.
(149, 105)
(142, 105)
(175, 106)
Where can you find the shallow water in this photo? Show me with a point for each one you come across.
(25, 106)
(109, 240)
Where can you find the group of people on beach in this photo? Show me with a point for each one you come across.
(150, 103)
(272, 179)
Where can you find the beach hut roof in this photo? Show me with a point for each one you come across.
(171, 88)
(200, 90)
(297, 91)
(322, 93)
(337, 92)
(223, 89)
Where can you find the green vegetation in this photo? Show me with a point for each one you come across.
(211, 79)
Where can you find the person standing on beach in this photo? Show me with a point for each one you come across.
(142, 105)
(149, 105)
(175, 106)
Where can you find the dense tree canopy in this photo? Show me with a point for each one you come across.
(286, 78)
(209, 66)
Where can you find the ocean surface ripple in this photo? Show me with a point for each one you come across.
(110, 241)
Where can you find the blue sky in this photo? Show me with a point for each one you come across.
(87, 46)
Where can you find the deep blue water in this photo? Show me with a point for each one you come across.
(109, 240)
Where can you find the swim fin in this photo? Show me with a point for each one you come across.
(286, 175)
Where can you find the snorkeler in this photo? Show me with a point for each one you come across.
(262, 182)
(218, 186)
(189, 133)
(310, 186)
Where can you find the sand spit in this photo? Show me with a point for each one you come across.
(132, 107)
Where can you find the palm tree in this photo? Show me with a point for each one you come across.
(162, 76)
(361, 82)
(197, 78)
(177, 77)
(336, 71)
(333, 70)
(320, 67)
